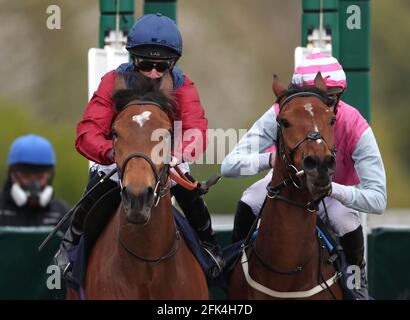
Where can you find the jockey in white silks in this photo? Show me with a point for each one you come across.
(358, 184)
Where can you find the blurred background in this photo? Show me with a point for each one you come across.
(231, 50)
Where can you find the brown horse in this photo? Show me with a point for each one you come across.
(288, 260)
(140, 254)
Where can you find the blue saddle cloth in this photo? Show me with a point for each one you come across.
(78, 255)
(192, 241)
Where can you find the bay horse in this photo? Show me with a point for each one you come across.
(288, 259)
(140, 254)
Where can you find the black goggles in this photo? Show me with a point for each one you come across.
(147, 65)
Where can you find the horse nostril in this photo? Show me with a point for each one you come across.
(137, 200)
(148, 194)
(330, 162)
(310, 163)
(126, 198)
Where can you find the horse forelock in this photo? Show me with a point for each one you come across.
(134, 87)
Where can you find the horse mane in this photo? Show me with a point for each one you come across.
(293, 88)
(139, 87)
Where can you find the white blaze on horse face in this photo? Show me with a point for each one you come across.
(141, 118)
(309, 108)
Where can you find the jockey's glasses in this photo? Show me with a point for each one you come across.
(148, 65)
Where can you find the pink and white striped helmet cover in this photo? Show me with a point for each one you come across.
(332, 71)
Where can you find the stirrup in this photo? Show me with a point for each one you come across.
(64, 265)
(218, 260)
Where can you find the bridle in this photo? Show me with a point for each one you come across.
(161, 178)
(162, 187)
(288, 157)
(273, 192)
(311, 206)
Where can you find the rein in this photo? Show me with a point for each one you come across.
(273, 193)
(170, 254)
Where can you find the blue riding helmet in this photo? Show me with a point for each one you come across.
(32, 150)
(155, 36)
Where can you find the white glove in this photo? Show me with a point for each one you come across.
(174, 162)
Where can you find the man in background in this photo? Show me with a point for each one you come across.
(28, 195)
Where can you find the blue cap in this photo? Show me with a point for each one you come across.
(155, 30)
(33, 150)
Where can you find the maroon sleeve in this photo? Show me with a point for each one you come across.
(94, 130)
(193, 121)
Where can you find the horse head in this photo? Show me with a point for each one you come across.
(305, 135)
(141, 136)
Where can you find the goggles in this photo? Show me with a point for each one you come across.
(148, 65)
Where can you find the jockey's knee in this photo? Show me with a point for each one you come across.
(254, 198)
(341, 219)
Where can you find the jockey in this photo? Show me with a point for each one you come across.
(358, 184)
(155, 45)
(28, 195)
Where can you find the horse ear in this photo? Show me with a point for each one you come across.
(167, 84)
(319, 82)
(277, 87)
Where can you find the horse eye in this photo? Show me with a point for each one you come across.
(284, 123)
(114, 134)
(332, 122)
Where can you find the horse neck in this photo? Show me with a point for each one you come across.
(287, 233)
(156, 237)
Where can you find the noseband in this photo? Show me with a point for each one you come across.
(292, 170)
(161, 178)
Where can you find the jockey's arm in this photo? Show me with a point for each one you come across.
(193, 121)
(94, 130)
(370, 195)
(248, 157)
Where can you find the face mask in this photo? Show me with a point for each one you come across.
(33, 195)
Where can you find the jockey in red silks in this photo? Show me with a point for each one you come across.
(358, 184)
(155, 45)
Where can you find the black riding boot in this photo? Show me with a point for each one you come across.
(244, 219)
(75, 230)
(353, 246)
(194, 207)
